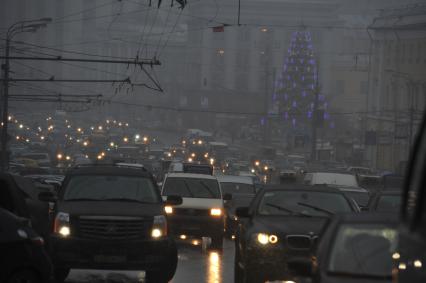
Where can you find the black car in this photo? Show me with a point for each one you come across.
(19, 196)
(355, 248)
(410, 263)
(282, 224)
(238, 191)
(386, 201)
(112, 217)
(23, 257)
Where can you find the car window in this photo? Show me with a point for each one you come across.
(102, 187)
(237, 188)
(306, 202)
(389, 203)
(192, 188)
(363, 249)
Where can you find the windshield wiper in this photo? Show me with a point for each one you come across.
(316, 208)
(208, 189)
(292, 212)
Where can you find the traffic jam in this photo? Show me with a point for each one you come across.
(220, 141)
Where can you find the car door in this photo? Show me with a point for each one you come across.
(410, 260)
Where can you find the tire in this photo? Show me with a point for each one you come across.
(164, 276)
(27, 276)
(61, 274)
(217, 243)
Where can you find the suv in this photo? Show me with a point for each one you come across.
(201, 213)
(112, 217)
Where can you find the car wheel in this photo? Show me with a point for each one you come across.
(61, 274)
(24, 276)
(217, 243)
(165, 275)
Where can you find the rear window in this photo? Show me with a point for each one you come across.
(106, 187)
(237, 188)
(192, 188)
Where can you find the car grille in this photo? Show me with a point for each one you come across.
(113, 228)
(300, 242)
(191, 212)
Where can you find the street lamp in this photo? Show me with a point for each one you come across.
(16, 28)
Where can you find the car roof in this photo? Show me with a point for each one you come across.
(109, 170)
(190, 175)
(298, 187)
(235, 179)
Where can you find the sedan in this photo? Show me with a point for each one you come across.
(282, 224)
(356, 248)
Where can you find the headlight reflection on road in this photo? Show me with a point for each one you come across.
(214, 274)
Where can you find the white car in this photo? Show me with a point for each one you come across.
(201, 213)
(335, 179)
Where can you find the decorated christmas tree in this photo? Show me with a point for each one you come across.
(296, 85)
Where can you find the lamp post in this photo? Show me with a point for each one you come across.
(16, 28)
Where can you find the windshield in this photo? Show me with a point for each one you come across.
(305, 202)
(237, 188)
(192, 188)
(106, 187)
(389, 203)
(363, 249)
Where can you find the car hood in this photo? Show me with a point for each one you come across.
(287, 225)
(200, 203)
(110, 208)
(344, 279)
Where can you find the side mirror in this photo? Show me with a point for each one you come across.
(47, 197)
(227, 197)
(174, 200)
(300, 267)
(242, 212)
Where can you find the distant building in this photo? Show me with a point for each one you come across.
(397, 90)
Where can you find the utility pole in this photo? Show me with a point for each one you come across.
(239, 12)
(16, 28)
(315, 119)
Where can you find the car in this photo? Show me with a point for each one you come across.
(201, 213)
(354, 248)
(112, 217)
(386, 201)
(19, 195)
(237, 191)
(282, 223)
(23, 257)
(42, 159)
(409, 264)
(330, 178)
(360, 170)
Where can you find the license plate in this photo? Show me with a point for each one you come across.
(109, 258)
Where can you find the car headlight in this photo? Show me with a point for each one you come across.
(168, 209)
(62, 224)
(215, 212)
(265, 239)
(159, 227)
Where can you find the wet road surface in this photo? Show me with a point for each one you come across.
(196, 265)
